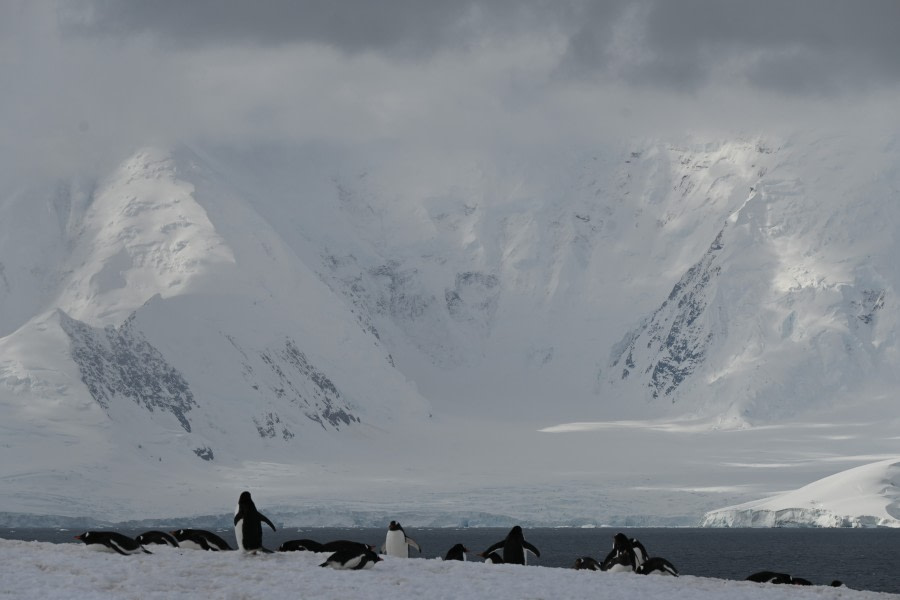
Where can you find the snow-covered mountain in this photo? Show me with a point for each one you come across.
(865, 496)
(194, 322)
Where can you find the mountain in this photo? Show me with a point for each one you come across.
(864, 496)
(196, 321)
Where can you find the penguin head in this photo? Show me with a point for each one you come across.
(395, 526)
(621, 542)
(83, 536)
(516, 533)
(245, 499)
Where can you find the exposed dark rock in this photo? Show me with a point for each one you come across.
(120, 363)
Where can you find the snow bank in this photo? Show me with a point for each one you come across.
(865, 496)
(48, 571)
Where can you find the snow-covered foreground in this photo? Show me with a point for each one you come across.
(44, 570)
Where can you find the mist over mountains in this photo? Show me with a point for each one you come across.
(200, 320)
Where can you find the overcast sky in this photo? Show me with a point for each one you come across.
(89, 79)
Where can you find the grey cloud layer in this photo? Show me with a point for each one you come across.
(783, 45)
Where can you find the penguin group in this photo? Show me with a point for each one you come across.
(630, 556)
(247, 531)
(627, 554)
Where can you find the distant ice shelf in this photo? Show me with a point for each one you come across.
(865, 496)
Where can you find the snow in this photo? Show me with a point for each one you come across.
(44, 570)
(865, 496)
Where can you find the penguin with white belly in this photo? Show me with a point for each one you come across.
(397, 543)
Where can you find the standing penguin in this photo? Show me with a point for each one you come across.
(514, 547)
(248, 525)
(396, 542)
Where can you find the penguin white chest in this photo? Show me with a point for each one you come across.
(239, 533)
(395, 544)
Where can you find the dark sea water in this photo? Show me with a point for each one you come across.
(864, 559)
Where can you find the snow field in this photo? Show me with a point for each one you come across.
(50, 571)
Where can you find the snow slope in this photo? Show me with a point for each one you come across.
(36, 569)
(865, 496)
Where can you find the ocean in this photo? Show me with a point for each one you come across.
(864, 559)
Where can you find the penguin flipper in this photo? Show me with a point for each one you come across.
(238, 516)
(145, 550)
(267, 521)
(112, 544)
(412, 542)
(496, 546)
(529, 546)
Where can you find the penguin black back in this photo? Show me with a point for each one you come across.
(337, 545)
(117, 542)
(656, 565)
(301, 545)
(201, 538)
(769, 577)
(457, 552)
(156, 537)
(586, 563)
(351, 558)
(248, 524)
(514, 547)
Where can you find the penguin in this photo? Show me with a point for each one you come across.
(770, 577)
(457, 552)
(338, 545)
(621, 557)
(248, 525)
(352, 559)
(156, 537)
(491, 558)
(622, 562)
(657, 566)
(397, 543)
(112, 540)
(640, 553)
(514, 547)
(586, 563)
(300, 545)
(200, 539)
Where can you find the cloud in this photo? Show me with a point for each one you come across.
(452, 81)
(799, 47)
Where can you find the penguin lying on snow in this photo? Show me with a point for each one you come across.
(397, 543)
(514, 547)
(301, 545)
(156, 537)
(774, 577)
(248, 525)
(657, 566)
(352, 559)
(491, 558)
(200, 539)
(586, 563)
(112, 540)
(338, 545)
(457, 552)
